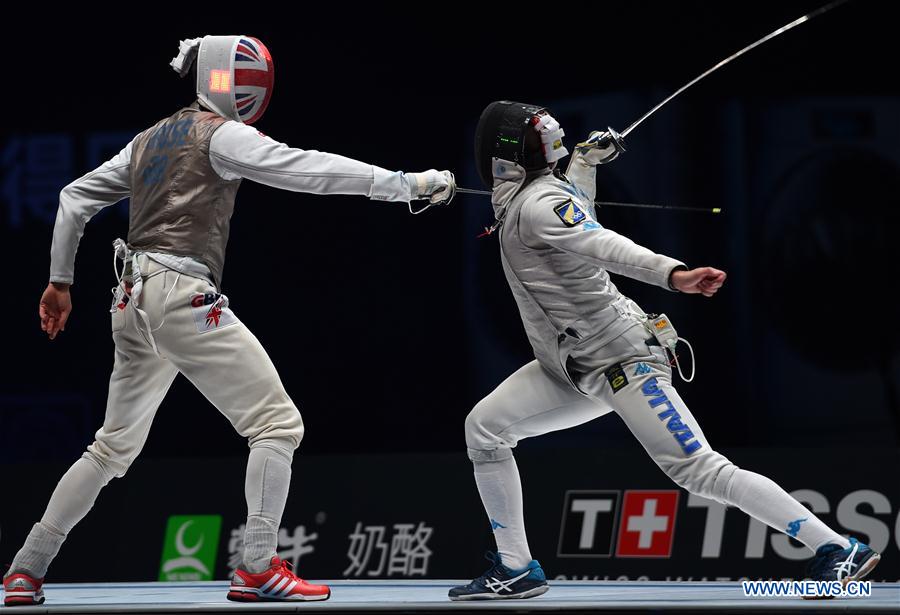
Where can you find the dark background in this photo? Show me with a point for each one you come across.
(387, 328)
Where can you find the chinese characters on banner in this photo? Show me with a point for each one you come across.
(405, 553)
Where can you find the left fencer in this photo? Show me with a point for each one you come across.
(169, 315)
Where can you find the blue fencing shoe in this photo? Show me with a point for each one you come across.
(832, 563)
(500, 582)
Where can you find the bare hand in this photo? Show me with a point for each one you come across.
(703, 280)
(56, 305)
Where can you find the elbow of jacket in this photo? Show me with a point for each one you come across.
(68, 192)
(67, 196)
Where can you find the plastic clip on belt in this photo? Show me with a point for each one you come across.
(664, 335)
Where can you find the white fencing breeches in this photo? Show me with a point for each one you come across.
(218, 354)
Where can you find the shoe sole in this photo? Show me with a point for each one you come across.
(22, 601)
(243, 595)
(531, 593)
(867, 567)
(864, 571)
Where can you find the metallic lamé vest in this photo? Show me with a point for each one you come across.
(179, 204)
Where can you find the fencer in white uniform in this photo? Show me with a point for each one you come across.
(169, 316)
(596, 350)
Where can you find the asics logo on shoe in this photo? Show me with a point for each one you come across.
(497, 586)
(846, 567)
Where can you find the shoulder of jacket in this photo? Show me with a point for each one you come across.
(543, 193)
(150, 130)
(209, 116)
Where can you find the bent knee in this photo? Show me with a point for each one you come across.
(281, 424)
(111, 462)
(296, 430)
(485, 440)
(479, 433)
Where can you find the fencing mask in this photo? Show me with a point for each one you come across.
(521, 133)
(235, 74)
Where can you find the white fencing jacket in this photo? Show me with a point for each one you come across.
(557, 258)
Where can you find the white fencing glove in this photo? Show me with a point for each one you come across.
(601, 147)
(439, 187)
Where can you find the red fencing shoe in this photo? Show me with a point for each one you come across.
(277, 583)
(20, 589)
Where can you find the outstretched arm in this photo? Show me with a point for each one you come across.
(237, 150)
(560, 222)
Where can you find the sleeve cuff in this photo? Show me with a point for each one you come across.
(390, 186)
(678, 267)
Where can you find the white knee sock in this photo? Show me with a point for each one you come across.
(41, 546)
(266, 488)
(73, 497)
(501, 493)
(762, 499)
